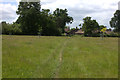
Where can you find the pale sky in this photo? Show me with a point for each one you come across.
(100, 10)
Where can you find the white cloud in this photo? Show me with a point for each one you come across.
(101, 10)
(9, 0)
(8, 12)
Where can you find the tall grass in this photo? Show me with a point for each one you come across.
(34, 57)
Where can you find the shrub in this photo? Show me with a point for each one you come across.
(11, 28)
(112, 35)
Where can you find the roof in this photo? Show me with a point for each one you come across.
(108, 32)
(79, 31)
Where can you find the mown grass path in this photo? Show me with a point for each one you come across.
(60, 59)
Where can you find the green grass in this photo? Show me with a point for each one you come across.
(59, 57)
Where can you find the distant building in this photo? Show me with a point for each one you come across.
(76, 31)
(79, 32)
(119, 5)
(108, 31)
(73, 31)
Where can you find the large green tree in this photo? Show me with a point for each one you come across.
(36, 21)
(115, 21)
(48, 24)
(29, 17)
(89, 26)
(62, 18)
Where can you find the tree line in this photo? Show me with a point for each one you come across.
(33, 21)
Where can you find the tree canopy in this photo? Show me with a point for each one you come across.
(29, 17)
(115, 21)
(62, 18)
(89, 26)
(34, 21)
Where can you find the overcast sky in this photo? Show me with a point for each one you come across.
(101, 10)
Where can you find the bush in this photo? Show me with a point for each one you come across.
(16, 29)
(11, 28)
(111, 35)
(96, 35)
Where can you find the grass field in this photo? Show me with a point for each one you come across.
(59, 57)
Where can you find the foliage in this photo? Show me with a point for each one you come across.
(113, 34)
(32, 21)
(4, 28)
(79, 24)
(96, 34)
(89, 26)
(103, 30)
(115, 21)
(29, 17)
(11, 28)
(101, 27)
(61, 18)
(35, 21)
(72, 29)
(48, 24)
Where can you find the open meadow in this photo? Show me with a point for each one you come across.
(59, 57)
